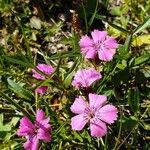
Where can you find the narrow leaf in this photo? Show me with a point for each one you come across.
(144, 25)
(19, 90)
(20, 60)
(134, 99)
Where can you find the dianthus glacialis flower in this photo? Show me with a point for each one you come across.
(40, 130)
(46, 69)
(100, 44)
(85, 77)
(96, 112)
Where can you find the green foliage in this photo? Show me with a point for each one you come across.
(33, 32)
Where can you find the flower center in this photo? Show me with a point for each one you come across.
(91, 113)
(99, 46)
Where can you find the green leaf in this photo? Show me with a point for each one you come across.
(129, 123)
(118, 27)
(145, 125)
(140, 60)
(77, 136)
(4, 128)
(123, 53)
(19, 90)
(128, 42)
(18, 59)
(68, 78)
(134, 99)
(142, 26)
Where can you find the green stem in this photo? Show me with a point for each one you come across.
(94, 14)
(85, 18)
(105, 148)
(119, 134)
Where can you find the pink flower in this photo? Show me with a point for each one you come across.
(100, 44)
(97, 113)
(40, 130)
(85, 77)
(46, 69)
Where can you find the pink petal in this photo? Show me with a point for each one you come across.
(108, 114)
(46, 124)
(85, 41)
(27, 145)
(98, 36)
(97, 127)
(40, 115)
(97, 101)
(79, 105)
(89, 52)
(35, 143)
(87, 47)
(111, 43)
(106, 54)
(47, 69)
(79, 121)
(80, 79)
(37, 75)
(93, 76)
(26, 127)
(41, 90)
(44, 135)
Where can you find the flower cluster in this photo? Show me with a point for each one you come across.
(93, 110)
(96, 112)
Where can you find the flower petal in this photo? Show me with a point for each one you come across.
(27, 145)
(106, 54)
(97, 101)
(98, 36)
(79, 121)
(37, 75)
(44, 135)
(85, 41)
(89, 52)
(79, 105)
(111, 43)
(87, 47)
(26, 127)
(85, 77)
(35, 143)
(47, 69)
(108, 114)
(40, 115)
(97, 127)
(45, 123)
(93, 76)
(41, 90)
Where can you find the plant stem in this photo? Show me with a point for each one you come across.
(85, 18)
(94, 14)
